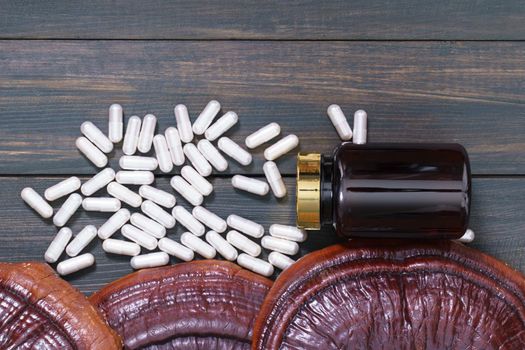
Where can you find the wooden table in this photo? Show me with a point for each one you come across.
(446, 71)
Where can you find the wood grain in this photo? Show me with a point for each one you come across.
(332, 19)
(466, 92)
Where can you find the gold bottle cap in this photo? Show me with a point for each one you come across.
(308, 191)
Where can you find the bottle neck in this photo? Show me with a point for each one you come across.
(326, 195)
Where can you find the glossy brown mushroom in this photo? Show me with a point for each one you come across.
(390, 295)
(207, 304)
(38, 310)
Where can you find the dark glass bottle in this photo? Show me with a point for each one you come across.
(386, 190)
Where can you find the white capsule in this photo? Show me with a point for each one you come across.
(102, 204)
(66, 211)
(209, 219)
(186, 190)
(163, 153)
(221, 245)
(251, 185)
(91, 152)
(195, 179)
(174, 146)
(256, 265)
(212, 155)
(57, 246)
(158, 196)
(198, 245)
(96, 136)
(138, 236)
(243, 243)
(264, 134)
(290, 233)
(206, 117)
(280, 245)
(148, 225)
(338, 119)
(273, 176)
(187, 220)
(183, 123)
(115, 124)
(81, 240)
(158, 214)
(35, 201)
(281, 147)
(98, 181)
(62, 188)
(467, 237)
(197, 159)
(146, 133)
(135, 177)
(280, 261)
(138, 163)
(75, 264)
(145, 261)
(246, 226)
(222, 125)
(360, 127)
(234, 151)
(124, 194)
(114, 223)
(176, 249)
(131, 138)
(120, 247)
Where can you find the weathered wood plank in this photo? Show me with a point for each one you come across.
(467, 92)
(496, 217)
(333, 19)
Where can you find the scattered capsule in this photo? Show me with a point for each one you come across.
(146, 133)
(290, 233)
(102, 204)
(206, 117)
(221, 245)
(360, 128)
(264, 134)
(91, 152)
(145, 261)
(81, 240)
(212, 154)
(255, 264)
(280, 245)
(174, 145)
(186, 190)
(138, 236)
(234, 151)
(185, 218)
(158, 196)
(183, 123)
(246, 226)
(243, 243)
(273, 176)
(66, 211)
(281, 147)
(158, 214)
(135, 177)
(209, 219)
(120, 247)
(198, 245)
(467, 237)
(148, 225)
(197, 159)
(75, 264)
(114, 223)
(57, 246)
(35, 201)
(176, 249)
(96, 136)
(131, 138)
(115, 124)
(338, 119)
(251, 185)
(138, 163)
(98, 181)
(222, 125)
(124, 194)
(280, 261)
(196, 180)
(62, 188)
(163, 153)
